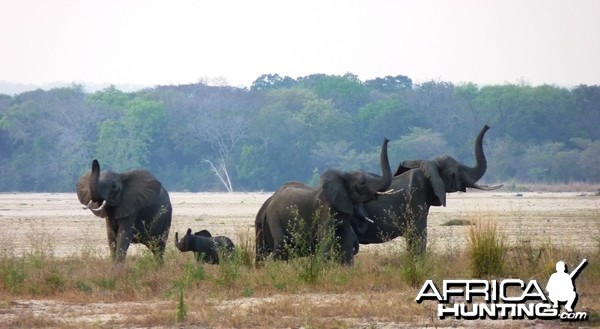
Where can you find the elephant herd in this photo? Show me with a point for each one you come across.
(347, 208)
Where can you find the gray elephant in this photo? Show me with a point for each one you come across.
(204, 245)
(135, 205)
(420, 184)
(334, 205)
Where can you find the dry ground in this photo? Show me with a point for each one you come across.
(58, 222)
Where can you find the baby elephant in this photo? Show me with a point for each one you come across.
(204, 246)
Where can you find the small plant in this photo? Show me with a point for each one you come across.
(13, 273)
(193, 272)
(181, 311)
(55, 281)
(229, 266)
(313, 245)
(457, 222)
(486, 249)
(83, 286)
(247, 292)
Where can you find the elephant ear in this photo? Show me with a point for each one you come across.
(335, 191)
(85, 196)
(432, 172)
(408, 165)
(204, 233)
(140, 189)
(83, 189)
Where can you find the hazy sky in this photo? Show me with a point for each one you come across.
(176, 42)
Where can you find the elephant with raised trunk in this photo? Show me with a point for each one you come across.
(334, 204)
(135, 205)
(420, 184)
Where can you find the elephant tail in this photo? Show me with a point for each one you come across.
(263, 233)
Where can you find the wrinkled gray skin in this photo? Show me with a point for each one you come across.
(337, 197)
(421, 184)
(204, 245)
(136, 207)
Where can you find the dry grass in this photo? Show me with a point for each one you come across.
(43, 287)
(40, 290)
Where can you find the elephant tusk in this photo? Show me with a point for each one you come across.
(101, 206)
(389, 192)
(86, 207)
(369, 220)
(488, 187)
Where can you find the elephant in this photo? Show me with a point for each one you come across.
(419, 184)
(135, 205)
(333, 205)
(204, 245)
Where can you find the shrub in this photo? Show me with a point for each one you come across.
(486, 249)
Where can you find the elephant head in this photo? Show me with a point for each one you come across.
(183, 244)
(123, 193)
(448, 175)
(344, 190)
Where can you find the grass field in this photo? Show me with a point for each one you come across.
(54, 270)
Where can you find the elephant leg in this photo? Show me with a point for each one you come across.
(347, 241)
(111, 232)
(158, 248)
(124, 237)
(356, 243)
(417, 236)
(279, 239)
(262, 248)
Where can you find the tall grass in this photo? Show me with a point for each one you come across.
(486, 249)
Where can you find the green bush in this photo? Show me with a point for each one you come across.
(486, 249)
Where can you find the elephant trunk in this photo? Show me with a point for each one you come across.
(177, 240)
(473, 174)
(386, 180)
(94, 179)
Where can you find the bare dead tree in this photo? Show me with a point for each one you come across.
(222, 173)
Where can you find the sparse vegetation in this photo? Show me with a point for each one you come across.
(46, 287)
(275, 294)
(457, 222)
(486, 249)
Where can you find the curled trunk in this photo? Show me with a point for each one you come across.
(473, 174)
(94, 179)
(386, 180)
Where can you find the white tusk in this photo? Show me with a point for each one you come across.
(389, 192)
(101, 206)
(369, 219)
(488, 187)
(86, 207)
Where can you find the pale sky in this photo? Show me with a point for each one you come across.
(177, 42)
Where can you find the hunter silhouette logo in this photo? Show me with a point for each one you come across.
(561, 287)
(500, 300)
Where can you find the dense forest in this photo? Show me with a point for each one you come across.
(204, 137)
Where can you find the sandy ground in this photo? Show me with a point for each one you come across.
(59, 223)
(58, 220)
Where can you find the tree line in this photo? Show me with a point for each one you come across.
(202, 137)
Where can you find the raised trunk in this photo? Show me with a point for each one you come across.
(386, 180)
(94, 178)
(473, 174)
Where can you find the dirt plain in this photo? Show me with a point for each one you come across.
(59, 221)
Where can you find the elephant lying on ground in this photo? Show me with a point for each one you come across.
(420, 184)
(135, 205)
(206, 247)
(330, 207)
